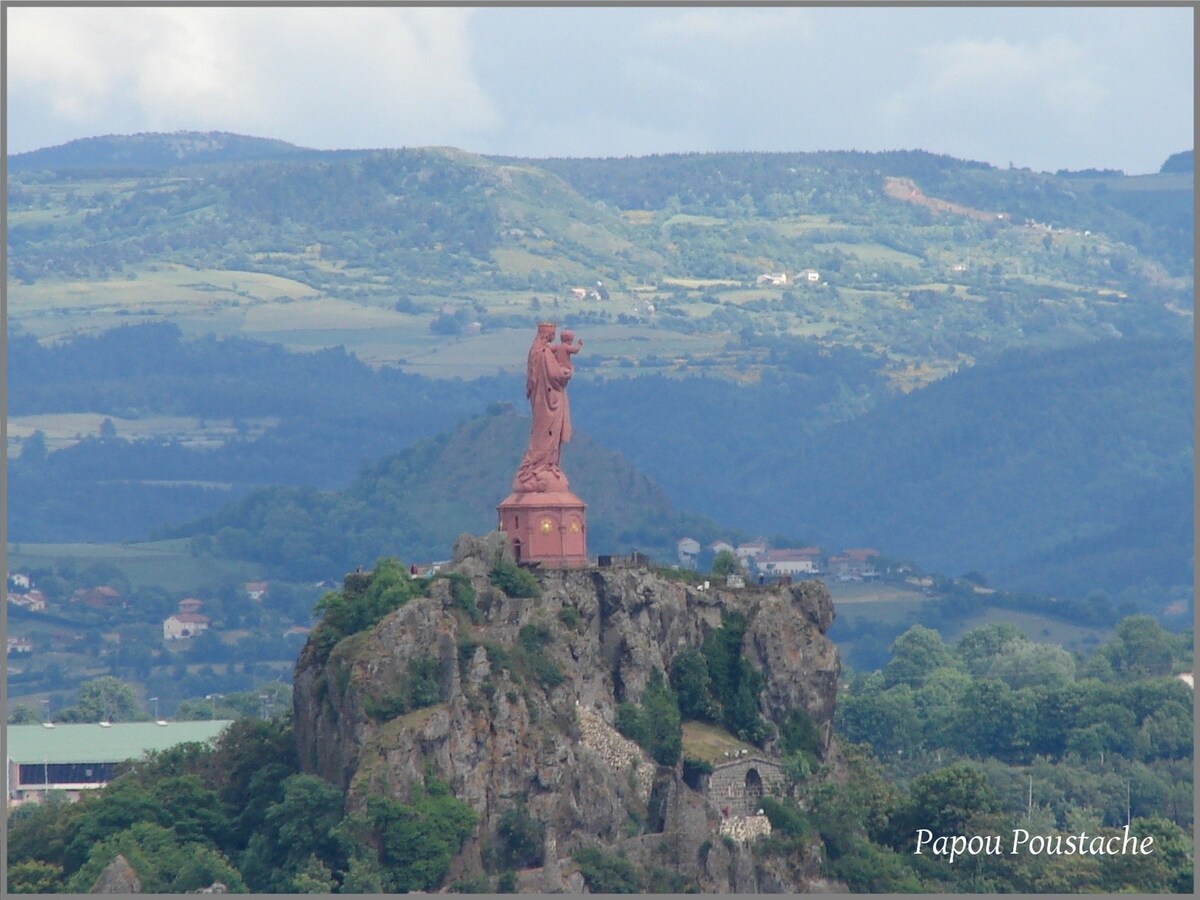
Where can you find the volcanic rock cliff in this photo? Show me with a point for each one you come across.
(542, 735)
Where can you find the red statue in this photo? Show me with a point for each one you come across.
(544, 521)
(546, 377)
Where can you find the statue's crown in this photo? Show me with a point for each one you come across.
(547, 327)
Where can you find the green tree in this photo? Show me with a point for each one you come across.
(654, 723)
(693, 686)
(860, 807)
(606, 873)
(419, 838)
(521, 837)
(32, 876)
(359, 607)
(23, 715)
(197, 812)
(1025, 664)
(1141, 646)
(1168, 732)
(936, 701)
(726, 563)
(887, 720)
(994, 720)
(120, 806)
(513, 580)
(942, 801)
(868, 868)
(163, 863)
(1056, 710)
(302, 825)
(248, 767)
(664, 731)
(916, 654)
(1170, 869)
(105, 699)
(41, 831)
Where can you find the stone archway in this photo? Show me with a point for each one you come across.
(754, 791)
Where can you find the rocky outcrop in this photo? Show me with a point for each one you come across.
(535, 726)
(118, 877)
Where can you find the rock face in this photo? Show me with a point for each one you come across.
(502, 734)
(118, 877)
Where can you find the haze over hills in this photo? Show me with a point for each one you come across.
(416, 504)
(824, 297)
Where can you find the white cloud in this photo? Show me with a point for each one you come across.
(972, 77)
(1042, 87)
(318, 76)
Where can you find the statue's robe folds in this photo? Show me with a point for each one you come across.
(545, 386)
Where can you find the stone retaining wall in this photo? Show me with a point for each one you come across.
(745, 828)
(616, 750)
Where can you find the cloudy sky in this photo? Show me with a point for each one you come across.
(1044, 88)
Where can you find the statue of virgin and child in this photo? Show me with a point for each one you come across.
(547, 371)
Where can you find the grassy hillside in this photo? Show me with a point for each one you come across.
(370, 249)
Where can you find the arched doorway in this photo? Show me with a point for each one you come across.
(754, 792)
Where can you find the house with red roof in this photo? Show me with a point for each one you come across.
(791, 561)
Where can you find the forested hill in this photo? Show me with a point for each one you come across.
(416, 503)
(845, 184)
(1067, 471)
(922, 258)
(149, 151)
(1063, 471)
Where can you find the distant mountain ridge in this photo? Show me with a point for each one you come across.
(153, 150)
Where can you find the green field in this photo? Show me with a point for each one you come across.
(64, 429)
(1038, 628)
(711, 743)
(873, 253)
(882, 602)
(166, 564)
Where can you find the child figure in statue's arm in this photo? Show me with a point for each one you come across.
(565, 350)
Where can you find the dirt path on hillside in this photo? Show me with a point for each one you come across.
(906, 190)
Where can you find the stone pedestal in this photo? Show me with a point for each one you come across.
(546, 527)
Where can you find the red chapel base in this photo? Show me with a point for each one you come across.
(548, 528)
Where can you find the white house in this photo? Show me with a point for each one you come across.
(752, 550)
(812, 276)
(688, 549)
(19, 581)
(791, 561)
(35, 600)
(256, 590)
(773, 278)
(184, 625)
(854, 565)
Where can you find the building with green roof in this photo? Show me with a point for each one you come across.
(75, 758)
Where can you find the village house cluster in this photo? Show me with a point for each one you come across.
(186, 622)
(770, 563)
